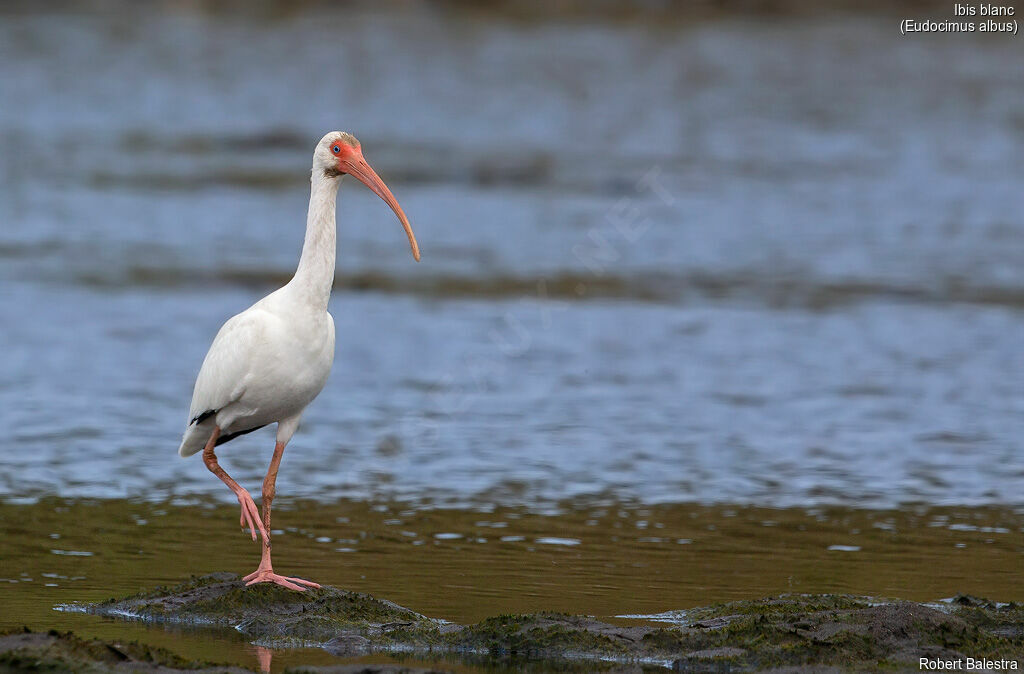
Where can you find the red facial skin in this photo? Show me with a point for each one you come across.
(350, 160)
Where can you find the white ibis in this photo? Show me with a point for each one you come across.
(269, 362)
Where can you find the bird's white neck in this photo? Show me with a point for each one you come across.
(314, 276)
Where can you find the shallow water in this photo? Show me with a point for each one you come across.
(820, 266)
(762, 265)
(601, 558)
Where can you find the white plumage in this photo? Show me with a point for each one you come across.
(266, 365)
(269, 362)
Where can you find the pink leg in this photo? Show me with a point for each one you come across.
(250, 515)
(265, 572)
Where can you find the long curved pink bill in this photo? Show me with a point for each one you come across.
(366, 175)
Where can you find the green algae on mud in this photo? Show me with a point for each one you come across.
(844, 631)
(64, 652)
(265, 611)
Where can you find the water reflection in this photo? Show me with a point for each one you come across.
(265, 657)
(605, 558)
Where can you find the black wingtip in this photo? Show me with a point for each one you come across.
(231, 436)
(202, 417)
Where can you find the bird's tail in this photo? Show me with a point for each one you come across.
(194, 440)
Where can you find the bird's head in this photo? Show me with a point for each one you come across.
(339, 153)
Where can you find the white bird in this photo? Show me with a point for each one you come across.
(269, 362)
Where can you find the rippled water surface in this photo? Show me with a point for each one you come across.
(753, 263)
(653, 265)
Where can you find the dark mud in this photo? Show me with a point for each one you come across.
(54, 651)
(807, 632)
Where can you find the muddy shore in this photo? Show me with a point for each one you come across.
(794, 632)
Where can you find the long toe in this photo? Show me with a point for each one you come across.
(307, 583)
(284, 581)
(250, 517)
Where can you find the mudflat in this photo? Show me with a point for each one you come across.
(798, 632)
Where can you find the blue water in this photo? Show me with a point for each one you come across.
(757, 262)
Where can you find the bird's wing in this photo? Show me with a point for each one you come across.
(228, 365)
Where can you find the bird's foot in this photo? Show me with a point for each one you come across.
(250, 516)
(267, 575)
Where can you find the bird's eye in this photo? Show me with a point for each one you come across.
(336, 149)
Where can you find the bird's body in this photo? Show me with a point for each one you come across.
(265, 366)
(269, 362)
